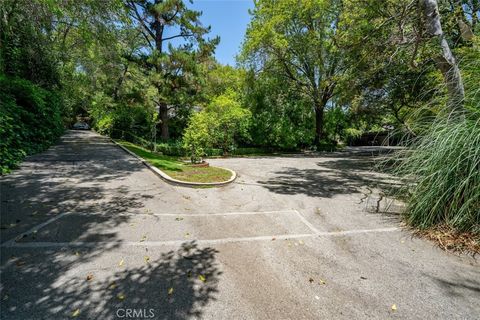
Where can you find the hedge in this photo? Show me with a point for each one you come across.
(30, 120)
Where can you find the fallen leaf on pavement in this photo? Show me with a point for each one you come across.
(147, 259)
(317, 297)
(121, 296)
(75, 313)
(187, 235)
(113, 285)
(89, 277)
(178, 219)
(273, 239)
(202, 278)
(77, 253)
(143, 238)
(121, 263)
(322, 282)
(170, 291)
(310, 280)
(363, 278)
(394, 307)
(301, 242)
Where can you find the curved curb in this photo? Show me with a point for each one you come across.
(171, 180)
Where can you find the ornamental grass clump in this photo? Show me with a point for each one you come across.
(442, 174)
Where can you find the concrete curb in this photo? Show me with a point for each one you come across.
(173, 181)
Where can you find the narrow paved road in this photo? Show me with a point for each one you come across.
(293, 238)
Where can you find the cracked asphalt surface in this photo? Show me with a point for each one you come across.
(88, 231)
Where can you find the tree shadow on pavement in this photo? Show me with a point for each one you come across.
(75, 178)
(332, 177)
(56, 182)
(177, 285)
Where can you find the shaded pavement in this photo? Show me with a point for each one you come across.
(294, 237)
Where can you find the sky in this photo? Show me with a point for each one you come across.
(229, 20)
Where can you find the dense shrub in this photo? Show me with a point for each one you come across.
(220, 125)
(30, 120)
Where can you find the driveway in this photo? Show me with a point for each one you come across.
(89, 232)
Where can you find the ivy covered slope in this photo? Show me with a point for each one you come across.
(30, 120)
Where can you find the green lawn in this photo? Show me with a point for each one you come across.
(177, 169)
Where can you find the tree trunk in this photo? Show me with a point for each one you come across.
(446, 62)
(163, 113)
(318, 123)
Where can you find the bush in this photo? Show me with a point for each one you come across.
(30, 120)
(219, 125)
(443, 168)
(172, 148)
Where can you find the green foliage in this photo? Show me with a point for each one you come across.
(442, 166)
(295, 42)
(220, 124)
(444, 169)
(177, 169)
(281, 116)
(30, 120)
(158, 160)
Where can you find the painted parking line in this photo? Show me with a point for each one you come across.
(32, 230)
(16, 241)
(201, 242)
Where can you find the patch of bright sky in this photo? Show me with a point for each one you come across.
(229, 20)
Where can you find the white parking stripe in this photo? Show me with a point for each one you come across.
(34, 229)
(308, 224)
(44, 224)
(202, 242)
(192, 214)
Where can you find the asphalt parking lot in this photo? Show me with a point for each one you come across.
(89, 232)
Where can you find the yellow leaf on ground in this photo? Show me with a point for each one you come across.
(76, 313)
(147, 259)
(121, 263)
(202, 278)
(170, 291)
(113, 285)
(394, 307)
(143, 238)
(121, 296)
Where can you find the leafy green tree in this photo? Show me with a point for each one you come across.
(219, 125)
(297, 40)
(282, 117)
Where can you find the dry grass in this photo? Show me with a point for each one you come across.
(451, 240)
